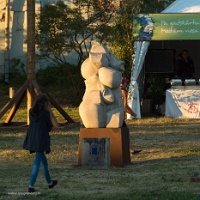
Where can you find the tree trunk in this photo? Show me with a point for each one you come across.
(30, 53)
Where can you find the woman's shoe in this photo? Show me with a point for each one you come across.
(31, 189)
(135, 151)
(54, 182)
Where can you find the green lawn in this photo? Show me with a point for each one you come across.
(170, 156)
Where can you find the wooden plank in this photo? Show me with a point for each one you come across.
(15, 99)
(14, 109)
(38, 91)
(54, 120)
(58, 107)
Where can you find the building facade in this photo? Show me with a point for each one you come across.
(13, 35)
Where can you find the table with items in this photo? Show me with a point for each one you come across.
(183, 101)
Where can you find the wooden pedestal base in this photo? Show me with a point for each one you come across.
(119, 143)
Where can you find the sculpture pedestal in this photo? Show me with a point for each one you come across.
(118, 140)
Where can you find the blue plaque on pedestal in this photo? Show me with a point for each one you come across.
(96, 152)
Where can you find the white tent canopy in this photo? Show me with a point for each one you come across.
(141, 47)
(184, 6)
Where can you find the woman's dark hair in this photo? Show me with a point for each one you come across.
(40, 103)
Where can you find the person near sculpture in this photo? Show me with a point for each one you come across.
(124, 96)
(127, 108)
(37, 139)
(184, 66)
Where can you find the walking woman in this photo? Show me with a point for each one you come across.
(37, 139)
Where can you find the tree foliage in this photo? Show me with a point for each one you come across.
(122, 41)
(62, 29)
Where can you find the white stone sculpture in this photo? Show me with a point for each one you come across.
(102, 104)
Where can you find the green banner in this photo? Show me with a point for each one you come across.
(166, 26)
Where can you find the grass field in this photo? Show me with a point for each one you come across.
(170, 156)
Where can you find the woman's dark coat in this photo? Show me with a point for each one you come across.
(37, 137)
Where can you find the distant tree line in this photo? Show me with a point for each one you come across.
(62, 29)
